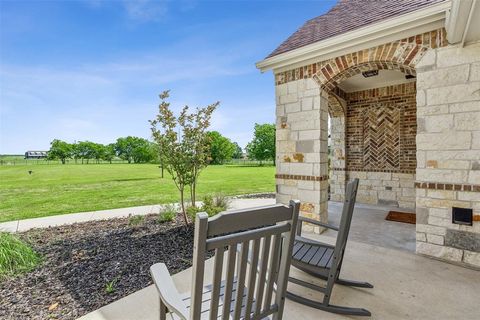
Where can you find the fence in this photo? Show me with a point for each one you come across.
(20, 162)
(247, 162)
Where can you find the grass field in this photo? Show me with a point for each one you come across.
(59, 189)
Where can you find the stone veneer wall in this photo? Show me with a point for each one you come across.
(448, 156)
(338, 177)
(379, 145)
(301, 143)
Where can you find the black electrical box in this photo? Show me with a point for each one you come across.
(462, 216)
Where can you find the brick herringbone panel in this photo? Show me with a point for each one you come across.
(390, 146)
(381, 137)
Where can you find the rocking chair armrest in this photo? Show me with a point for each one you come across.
(167, 290)
(315, 222)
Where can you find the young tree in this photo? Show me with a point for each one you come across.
(195, 135)
(184, 154)
(238, 153)
(59, 150)
(221, 148)
(262, 147)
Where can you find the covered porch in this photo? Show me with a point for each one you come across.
(393, 103)
(407, 286)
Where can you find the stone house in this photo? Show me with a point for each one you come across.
(400, 82)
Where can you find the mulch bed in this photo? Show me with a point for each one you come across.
(398, 216)
(80, 259)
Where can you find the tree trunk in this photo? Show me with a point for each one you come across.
(193, 193)
(183, 207)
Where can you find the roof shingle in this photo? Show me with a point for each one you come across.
(348, 15)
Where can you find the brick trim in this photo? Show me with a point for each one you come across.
(376, 170)
(400, 55)
(300, 177)
(447, 186)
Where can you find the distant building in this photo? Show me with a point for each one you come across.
(36, 154)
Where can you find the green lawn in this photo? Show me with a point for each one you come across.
(59, 189)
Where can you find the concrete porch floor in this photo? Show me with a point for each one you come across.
(407, 286)
(369, 226)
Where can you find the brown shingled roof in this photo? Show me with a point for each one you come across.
(348, 15)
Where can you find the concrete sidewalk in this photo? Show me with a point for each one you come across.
(27, 224)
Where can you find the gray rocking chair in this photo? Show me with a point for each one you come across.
(325, 261)
(256, 245)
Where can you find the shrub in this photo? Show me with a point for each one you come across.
(221, 201)
(135, 220)
(192, 212)
(212, 205)
(16, 256)
(168, 213)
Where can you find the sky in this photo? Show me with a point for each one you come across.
(92, 70)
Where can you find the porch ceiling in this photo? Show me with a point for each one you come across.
(384, 78)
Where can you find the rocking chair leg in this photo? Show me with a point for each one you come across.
(328, 307)
(163, 311)
(346, 282)
(353, 283)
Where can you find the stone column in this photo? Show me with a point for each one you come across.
(302, 121)
(338, 165)
(448, 152)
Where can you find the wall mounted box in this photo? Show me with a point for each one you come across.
(462, 216)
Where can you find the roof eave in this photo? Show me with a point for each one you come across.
(422, 19)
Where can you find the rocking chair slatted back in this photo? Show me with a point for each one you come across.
(249, 243)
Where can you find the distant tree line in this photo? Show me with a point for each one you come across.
(130, 149)
(139, 150)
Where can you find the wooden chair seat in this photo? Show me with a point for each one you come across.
(206, 299)
(317, 254)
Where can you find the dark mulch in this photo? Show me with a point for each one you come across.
(80, 259)
(398, 216)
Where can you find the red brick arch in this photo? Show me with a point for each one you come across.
(331, 81)
(401, 55)
(335, 107)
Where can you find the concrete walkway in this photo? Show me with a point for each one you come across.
(27, 224)
(368, 224)
(407, 286)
